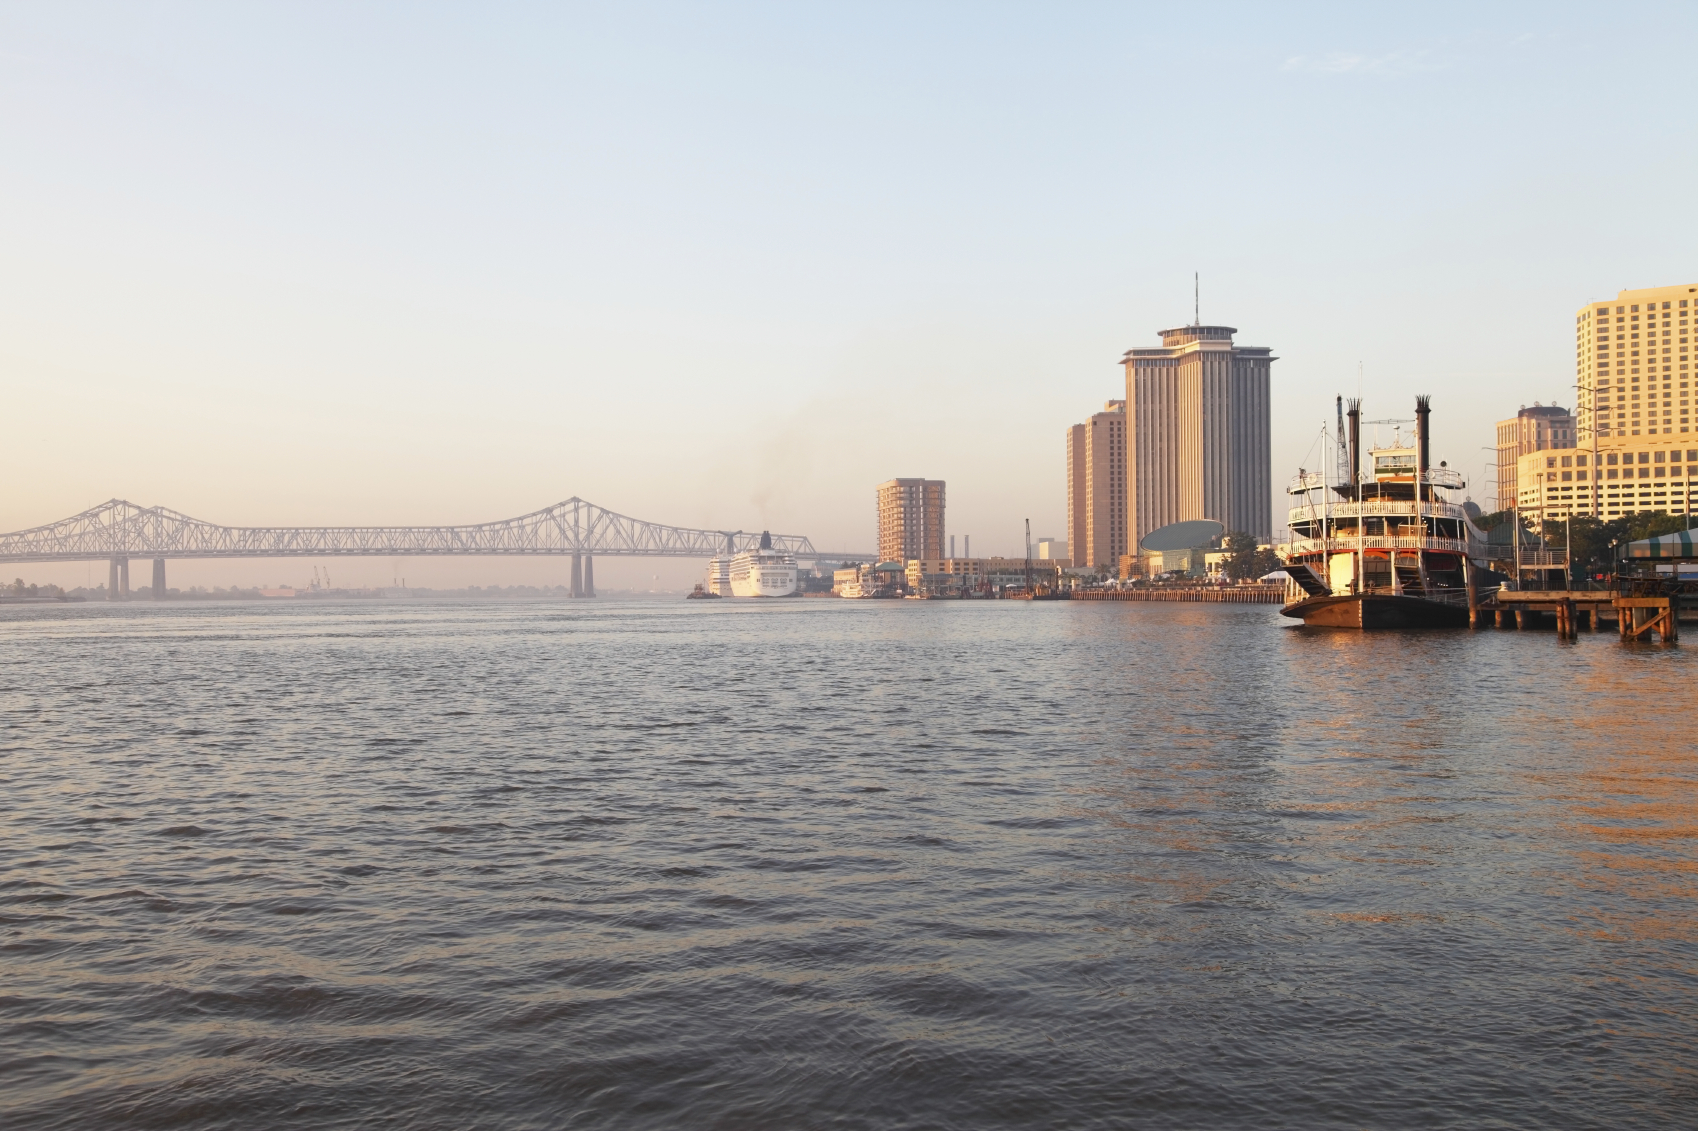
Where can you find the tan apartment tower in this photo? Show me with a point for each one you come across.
(1096, 488)
(1633, 363)
(910, 520)
(1197, 432)
(1077, 513)
(1537, 429)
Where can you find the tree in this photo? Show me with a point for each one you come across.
(1596, 543)
(1495, 519)
(1246, 561)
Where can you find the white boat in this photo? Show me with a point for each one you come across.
(763, 572)
(1386, 551)
(719, 577)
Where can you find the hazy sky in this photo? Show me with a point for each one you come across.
(732, 266)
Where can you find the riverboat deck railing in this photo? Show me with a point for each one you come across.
(1533, 559)
(1371, 508)
(1342, 542)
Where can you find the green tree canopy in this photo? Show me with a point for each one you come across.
(1246, 561)
(1596, 542)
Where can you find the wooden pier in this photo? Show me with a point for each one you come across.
(1216, 594)
(1636, 618)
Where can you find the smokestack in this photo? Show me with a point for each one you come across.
(1422, 442)
(1355, 415)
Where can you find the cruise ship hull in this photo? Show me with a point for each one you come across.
(764, 572)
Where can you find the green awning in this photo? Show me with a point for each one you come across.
(1679, 546)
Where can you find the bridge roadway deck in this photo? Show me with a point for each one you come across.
(118, 530)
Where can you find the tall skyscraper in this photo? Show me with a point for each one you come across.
(1096, 488)
(1632, 356)
(910, 520)
(1197, 427)
(1535, 429)
(1077, 512)
(1636, 366)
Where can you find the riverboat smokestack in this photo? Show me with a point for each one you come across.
(1355, 415)
(1422, 442)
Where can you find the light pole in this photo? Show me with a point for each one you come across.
(1592, 418)
(1492, 466)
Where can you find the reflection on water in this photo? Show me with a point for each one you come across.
(861, 864)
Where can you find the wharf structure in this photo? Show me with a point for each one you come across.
(1197, 428)
(946, 577)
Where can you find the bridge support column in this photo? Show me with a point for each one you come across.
(112, 580)
(577, 575)
(159, 579)
(124, 578)
(589, 576)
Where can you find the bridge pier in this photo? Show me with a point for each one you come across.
(117, 529)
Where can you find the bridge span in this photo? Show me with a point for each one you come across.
(118, 530)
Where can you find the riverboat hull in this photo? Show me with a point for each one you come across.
(1377, 610)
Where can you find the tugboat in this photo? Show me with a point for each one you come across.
(1387, 551)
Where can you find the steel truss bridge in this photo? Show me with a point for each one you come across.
(119, 530)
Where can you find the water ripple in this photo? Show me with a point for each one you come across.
(837, 864)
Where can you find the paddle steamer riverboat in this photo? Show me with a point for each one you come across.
(1386, 550)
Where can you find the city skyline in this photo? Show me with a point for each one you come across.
(465, 273)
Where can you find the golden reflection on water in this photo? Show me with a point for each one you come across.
(1400, 780)
(1633, 800)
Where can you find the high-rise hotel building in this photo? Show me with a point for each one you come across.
(910, 520)
(1096, 488)
(1637, 445)
(1633, 360)
(1197, 432)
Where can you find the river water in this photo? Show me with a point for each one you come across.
(831, 864)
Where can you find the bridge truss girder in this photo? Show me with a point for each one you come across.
(119, 529)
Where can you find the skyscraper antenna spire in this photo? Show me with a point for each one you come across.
(1196, 298)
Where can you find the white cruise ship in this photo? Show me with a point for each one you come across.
(764, 572)
(719, 576)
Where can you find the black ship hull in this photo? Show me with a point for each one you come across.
(1377, 610)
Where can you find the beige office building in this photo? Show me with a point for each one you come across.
(1635, 369)
(1197, 427)
(1078, 515)
(910, 520)
(1531, 430)
(1096, 488)
(1647, 474)
(1633, 361)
